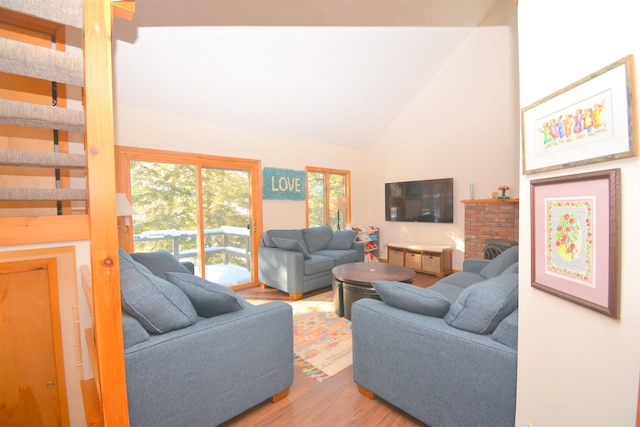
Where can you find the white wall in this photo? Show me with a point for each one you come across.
(577, 367)
(464, 124)
(142, 128)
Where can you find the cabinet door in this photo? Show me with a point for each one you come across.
(431, 262)
(396, 256)
(413, 260)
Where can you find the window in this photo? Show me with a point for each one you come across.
(203, 209)
(328, 197)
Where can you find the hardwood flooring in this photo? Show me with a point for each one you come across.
(334, 402)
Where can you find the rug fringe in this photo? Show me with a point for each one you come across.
(309, 369)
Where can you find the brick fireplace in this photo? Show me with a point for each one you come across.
(489, 219)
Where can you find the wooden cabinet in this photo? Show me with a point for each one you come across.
(428, 259)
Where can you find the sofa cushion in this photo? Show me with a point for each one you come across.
(513, 268)
(132, 331)
(318, 264)
(463, 279)
(507, 331)
(499, 263)
(449, 291)
(291, 245)
(317, 238)
(159, 262)
(412, 298)
(342, 239)
(208, 298)
(157, 304)
(480, 307)
(341, 256)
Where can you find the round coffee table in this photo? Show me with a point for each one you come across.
(352, 282)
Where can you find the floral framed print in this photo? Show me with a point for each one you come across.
(589, 121)
(575, 235)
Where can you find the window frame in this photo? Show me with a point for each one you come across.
(327, 194)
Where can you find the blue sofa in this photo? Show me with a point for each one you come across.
(195, 353)
(300, 261)
(447, 354)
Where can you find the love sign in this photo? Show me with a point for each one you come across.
(283, 184)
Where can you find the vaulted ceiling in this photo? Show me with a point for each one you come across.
(334, 72)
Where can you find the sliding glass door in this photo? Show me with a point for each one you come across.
(202, 210)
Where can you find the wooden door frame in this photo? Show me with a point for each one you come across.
(125, 154)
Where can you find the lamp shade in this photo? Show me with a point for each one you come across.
(123, 207)
(340, 203)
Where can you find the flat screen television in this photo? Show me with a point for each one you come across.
(429, 200)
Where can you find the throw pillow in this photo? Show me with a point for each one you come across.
(159, 262)
(291, 245)
(158, 305)
(481, 307)
(412, 298)
(267, 237)
(342, 239)
(497, 265)
(208, 298)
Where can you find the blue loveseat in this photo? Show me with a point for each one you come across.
(447, 354)
(195, 353)
(300, 261)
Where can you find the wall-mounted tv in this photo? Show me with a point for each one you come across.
(428, 200)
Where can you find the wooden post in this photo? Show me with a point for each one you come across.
(102, 215)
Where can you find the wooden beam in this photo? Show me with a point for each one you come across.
(43, 229)
(102, 212)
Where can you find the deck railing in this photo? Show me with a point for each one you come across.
(237, 246)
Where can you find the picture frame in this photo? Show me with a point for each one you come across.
(575, 238)
(589, 121)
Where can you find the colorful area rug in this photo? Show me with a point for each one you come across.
(321, 339)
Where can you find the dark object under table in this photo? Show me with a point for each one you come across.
(352, 282)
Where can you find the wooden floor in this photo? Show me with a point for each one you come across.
(334, 402)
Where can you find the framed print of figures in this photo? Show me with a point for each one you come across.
(575, 235)
(589, 121)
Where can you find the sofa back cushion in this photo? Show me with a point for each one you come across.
(482, 306)
(159, 262)
(342, 240)
(132, 331)
(500, 263)
(158, 305)
(317, 238)
(507, 331)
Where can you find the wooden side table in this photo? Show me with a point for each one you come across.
(352, 282)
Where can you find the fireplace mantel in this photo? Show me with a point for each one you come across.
(478, 201)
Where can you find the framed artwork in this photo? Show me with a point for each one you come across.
(589, 121)
(575, 235)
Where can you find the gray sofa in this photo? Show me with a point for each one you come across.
(447, 354)
(195, 353)
(300, 261)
